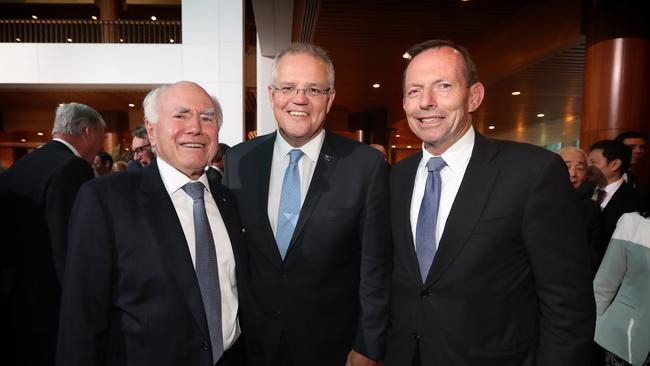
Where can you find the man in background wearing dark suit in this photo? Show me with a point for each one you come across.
(315, 209)
(489, 260)
(635, 141)
(154, 271)
(616, 197)
(37, 194)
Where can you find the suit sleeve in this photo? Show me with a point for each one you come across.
(60, 195)
(559, 260)
(86, 298)
(610, 274)
(376, 265)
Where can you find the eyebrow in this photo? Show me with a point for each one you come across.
(208, 112)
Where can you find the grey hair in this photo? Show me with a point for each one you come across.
(573, 148)
(150, 106)
(72, 118)
(308, 49)
(218, 112)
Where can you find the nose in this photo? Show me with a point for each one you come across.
(428, 99)
(300, 97)
(193, 124)
(572, 172)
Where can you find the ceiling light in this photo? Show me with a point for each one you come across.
(516, 93)
(491, 127)
(397, 135)
(393, 146)
(121, 40)
(540, 115)
(34, 17)
(153, 17)
(69, 40)
(131, 105)
(23, 140)
(408, 146)
(376, 85)
(17, 39)
(406, 55)
(94, 17)
(171, 40)
(39, 133)
(61, 104)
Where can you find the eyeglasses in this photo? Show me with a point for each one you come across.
(291, 91)
(141, 149)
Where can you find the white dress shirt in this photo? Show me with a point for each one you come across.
(183, 204)
(306, 166)
(69, 145)
(457, 158)
(610, 189)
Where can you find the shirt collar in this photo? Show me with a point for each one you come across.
(311, 148)
(174, 179)
(613, 187)
(69, 145)
(457, 155)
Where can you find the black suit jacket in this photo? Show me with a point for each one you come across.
(625, 199)
(330, 294)
(37, 194)
(130, 293)
(510, 283)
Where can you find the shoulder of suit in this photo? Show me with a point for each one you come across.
(250, 144)
(633, 228)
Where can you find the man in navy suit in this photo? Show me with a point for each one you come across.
(141, 244)
(489, 263)
(37, 194)
(320, 251)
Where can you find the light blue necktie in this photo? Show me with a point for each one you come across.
(289, 202)
(207, 272)
(425, 233)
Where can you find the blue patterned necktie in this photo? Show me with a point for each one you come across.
(207, 272)
(289, 202)
(425, 233)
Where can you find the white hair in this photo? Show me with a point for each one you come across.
(71, 119)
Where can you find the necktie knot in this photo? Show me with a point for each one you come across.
(600, 195)
(194, 190)
(295, 155)
(436, 164)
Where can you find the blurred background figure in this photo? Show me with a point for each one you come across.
(622, 291)
(37, 194)
(381, 149)
(141, 147)
(217, 167)
(103, 163)
(576, 162)
(635, 141)
(120, 166)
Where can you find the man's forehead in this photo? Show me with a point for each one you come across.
(634, 141)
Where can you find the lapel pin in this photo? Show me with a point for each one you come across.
(327, 157)
(243, 230)
(224, 199)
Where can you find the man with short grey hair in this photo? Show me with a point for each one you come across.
(37, 194)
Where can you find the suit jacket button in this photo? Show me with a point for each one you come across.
(278, 313)
(205, 346)
(425, 293)
(415, 336)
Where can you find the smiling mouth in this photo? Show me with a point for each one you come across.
(430, 120)
(298, 113)
(193, 145)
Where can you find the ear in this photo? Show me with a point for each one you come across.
(330, 99)
(615, 164)
(269, 92)
(151, 132)
(476, 94)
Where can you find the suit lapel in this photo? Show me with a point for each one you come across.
(258, 164)
(468, 206)
(404, 193)
(319, 184)
(171, 241)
